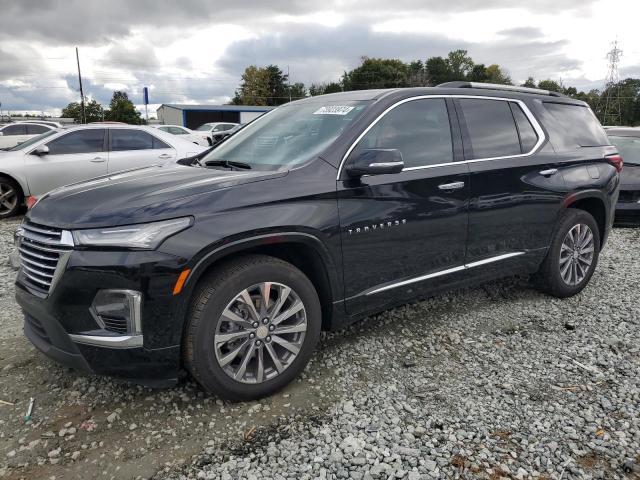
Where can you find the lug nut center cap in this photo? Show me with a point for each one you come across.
(262, 332)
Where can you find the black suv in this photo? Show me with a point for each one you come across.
(318, 213)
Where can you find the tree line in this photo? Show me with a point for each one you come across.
(121, 109)
(270, 86)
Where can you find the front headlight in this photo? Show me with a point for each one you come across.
(146, 236)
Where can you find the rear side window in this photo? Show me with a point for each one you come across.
(36, 129)
(579, 125)
(528, 136)
(491, 128)
(419, 129)
(123, 139)
(80, 141)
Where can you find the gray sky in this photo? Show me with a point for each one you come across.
(194, 51)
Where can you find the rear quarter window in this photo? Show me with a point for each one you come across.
(577, 124)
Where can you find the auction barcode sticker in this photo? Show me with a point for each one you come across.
(333, 110)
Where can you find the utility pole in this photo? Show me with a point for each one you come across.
(83, 117)
(609, 105)
(289, 82)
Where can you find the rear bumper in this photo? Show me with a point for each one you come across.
(627, 213)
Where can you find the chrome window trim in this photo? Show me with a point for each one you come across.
(534, 123)
(428, 276)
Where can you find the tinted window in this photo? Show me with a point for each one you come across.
(491, 128)
(628, 147)
(81, 141)
(14, 130)
(528, 136)
(36, 129)
(177, 131)
(579, 124)
(123, 139)
(418, 129)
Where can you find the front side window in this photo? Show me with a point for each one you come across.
(36, 129)
(628, 147)
(80, 141)
(419, 129)
(124, 139)
(491, 127)
(290, 135)
(14, 130)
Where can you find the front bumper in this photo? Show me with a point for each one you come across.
(61, 326)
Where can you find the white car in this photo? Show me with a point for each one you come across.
(184, 132)
(215, 131)
(51, 123)
(18, 132)
(61, 157)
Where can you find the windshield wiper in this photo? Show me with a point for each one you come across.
(230, 164)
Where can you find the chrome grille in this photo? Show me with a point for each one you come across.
(40, 249)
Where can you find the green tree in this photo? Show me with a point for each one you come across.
(376, 73)
(529, 83)
(297, 91)
(263, 86)
(277, 86)
(438, 71)
(121, 109)
(324, 88)
(478, 73)
(495, 74)
(550, 85)
(417, 74)
(460, 64)
(93, 111)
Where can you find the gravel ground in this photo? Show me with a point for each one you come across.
(493, 382)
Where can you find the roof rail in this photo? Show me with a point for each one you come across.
(496, 86)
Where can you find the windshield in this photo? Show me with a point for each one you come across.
(628, 147)
(204, 127)
(289, 135)
(31, 141)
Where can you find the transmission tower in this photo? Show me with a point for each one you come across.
(609, 105)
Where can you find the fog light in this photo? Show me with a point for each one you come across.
(118, 311)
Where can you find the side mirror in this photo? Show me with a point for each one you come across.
(375, 161)
(41, 150)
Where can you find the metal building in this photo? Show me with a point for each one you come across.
(192, 116)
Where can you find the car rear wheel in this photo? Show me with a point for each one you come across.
(253, 325)
(572, 256)
(11, 197)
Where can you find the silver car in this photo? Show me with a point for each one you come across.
(58, 158)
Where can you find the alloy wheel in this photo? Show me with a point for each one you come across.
(8, 198)
(260, 332)
(576, 254)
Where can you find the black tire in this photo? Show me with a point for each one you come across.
(549, 277)
(17, 200)
(212, 296)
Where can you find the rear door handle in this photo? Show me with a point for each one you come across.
(548, 173)
(451, 186)
(165, 156)
(98, 159)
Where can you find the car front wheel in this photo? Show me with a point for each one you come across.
(11, 197)
(572, 256)
(253, 325)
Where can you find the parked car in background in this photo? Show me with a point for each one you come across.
(51, 123)
(215, 131)
(184, 132)
(18, 132)
(324, 211)
(60, 157)
(627, 140)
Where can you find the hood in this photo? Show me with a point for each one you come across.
(121, 198)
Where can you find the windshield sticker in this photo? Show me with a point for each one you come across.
(333, 110)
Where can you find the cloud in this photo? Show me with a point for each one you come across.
(140, 56)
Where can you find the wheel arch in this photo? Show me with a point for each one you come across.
(303, 250)
(592, 202)
(20, 181)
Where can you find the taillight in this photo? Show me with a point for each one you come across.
(31, 201)
(616, 161)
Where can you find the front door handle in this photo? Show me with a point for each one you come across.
(98, 160)
(451, 186)
(548, 173)
(165, 156)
